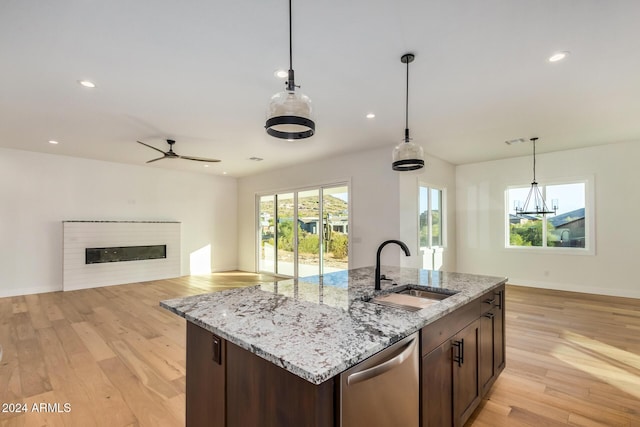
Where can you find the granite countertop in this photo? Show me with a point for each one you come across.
(316, 327)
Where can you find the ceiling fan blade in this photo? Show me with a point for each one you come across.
(155, 160)
(150, 146)
(199, 159)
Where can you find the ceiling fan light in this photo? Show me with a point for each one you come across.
(407, 156)
(289, 116)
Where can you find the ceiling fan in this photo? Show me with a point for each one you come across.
(172, 155)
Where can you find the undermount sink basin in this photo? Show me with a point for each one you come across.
(426, 294)
(412, 299)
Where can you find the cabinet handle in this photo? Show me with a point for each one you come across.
(500, 296)
(459, 356)
(490, 301)
(216, 347)
(489, 315)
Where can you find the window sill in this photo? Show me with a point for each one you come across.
(552, 250)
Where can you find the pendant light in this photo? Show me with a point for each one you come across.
(534, 203)
(407, 156)
(289, 112)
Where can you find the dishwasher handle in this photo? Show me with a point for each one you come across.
(383, 367)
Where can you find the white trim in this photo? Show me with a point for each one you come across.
(4, 293)
(569, 287)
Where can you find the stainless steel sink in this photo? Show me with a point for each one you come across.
(426, 294)
(413, 299)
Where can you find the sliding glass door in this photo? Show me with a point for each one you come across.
(304, 232)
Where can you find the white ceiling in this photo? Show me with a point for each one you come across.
(202, 72)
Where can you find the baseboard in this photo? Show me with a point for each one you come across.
(223, 269)
(614, 292)
(5, 293)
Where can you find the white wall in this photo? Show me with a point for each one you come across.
(481, 229)
(39, 191)
(379, 199)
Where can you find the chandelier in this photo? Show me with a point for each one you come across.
(534, 204)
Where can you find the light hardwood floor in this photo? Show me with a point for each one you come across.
(118, 358)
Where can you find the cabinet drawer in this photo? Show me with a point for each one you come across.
(444, 328)
(488, 301)
(492, 299)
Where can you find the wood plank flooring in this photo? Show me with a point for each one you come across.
(572, 359)
(118, 358)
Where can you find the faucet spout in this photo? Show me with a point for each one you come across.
(402, 245)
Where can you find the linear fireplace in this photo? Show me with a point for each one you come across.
(103, 253)
(124, 253)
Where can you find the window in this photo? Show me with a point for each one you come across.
(430, 217)
(570, 228)
(431, 226)
(318, 244)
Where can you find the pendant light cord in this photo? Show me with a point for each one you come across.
(406, 109)
(534, 158)
(291, 85)
(290, 40)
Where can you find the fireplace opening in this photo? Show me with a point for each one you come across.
(124, 253)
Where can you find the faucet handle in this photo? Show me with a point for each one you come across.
(383, 277)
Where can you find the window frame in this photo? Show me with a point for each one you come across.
(295, 190)
(443, 204)
(590, 218)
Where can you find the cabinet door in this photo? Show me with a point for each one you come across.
(499, 332)
(466, 384)
(492, 348)
(437, 387)
(261, 394)
(205, 386)
(487, 350)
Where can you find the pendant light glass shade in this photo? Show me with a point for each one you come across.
(289, 115)
(407, 156)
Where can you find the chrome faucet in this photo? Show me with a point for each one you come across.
(397, 242)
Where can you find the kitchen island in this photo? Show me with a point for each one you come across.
(272, 354)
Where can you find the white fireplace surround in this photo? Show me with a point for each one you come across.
(80, 235)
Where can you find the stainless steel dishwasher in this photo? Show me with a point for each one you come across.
(383, 390)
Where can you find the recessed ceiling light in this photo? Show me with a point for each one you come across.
(515, 141)
(559, 56)
(370, 116)
(224, 173)
(87, 83)
(256, 159)
(281, 74)
(206, 166)
(51, 141)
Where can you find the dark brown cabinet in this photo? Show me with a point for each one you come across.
(450, 382)
(466, 384)
(463, 353)
(437, 387)
(492, 345)
(205, 388)
(230, 386)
